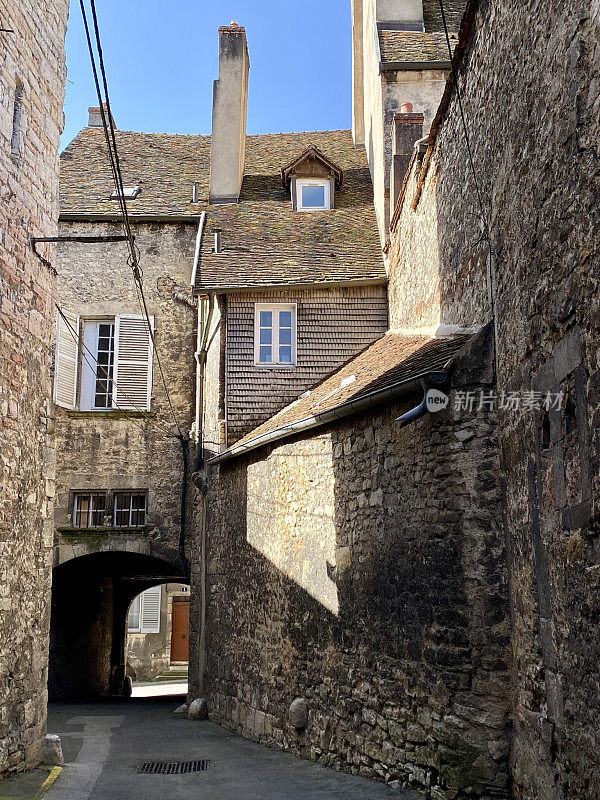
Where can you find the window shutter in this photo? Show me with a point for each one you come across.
(150, 612)
(133, 362)
(67, 360)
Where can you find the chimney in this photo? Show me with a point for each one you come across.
(95, 118)
(407, 128)
(230, 107)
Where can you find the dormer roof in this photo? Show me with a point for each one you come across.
(301, 165)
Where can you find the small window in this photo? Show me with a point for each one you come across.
(17, 123)
(130, 509)
(89, 510)
(275, 335)
(133, 620)
(312, 194)
(129, 193)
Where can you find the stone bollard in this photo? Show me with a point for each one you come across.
(52, 751)
(198, 709)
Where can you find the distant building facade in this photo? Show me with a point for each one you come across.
(32, 81)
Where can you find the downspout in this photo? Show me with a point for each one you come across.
(419, 411)
(197, 250)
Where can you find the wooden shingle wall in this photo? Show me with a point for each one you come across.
(333, 326)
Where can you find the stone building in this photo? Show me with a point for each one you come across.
(381, 626)
(374, 600)
(400, 55)
(122, 443)
(516, 242)
(296, 259)
(32, 80)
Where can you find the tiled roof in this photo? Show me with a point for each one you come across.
(389, 361)
(399, 46)
(265, 242)
(412, 46)
(163, 165)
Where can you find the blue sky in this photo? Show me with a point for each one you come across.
(162, 57)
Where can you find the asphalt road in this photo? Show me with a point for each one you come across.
(105, 743)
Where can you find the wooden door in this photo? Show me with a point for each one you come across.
(180, 632)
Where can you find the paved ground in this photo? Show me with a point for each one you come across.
(157, 688)
(104, 744)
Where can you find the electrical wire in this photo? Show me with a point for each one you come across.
(115, 164)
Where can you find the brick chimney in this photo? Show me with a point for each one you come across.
(407, 128)
(230, 110)
(95, 118)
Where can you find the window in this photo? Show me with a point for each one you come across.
(130, 509)
(144, 612)
(275, 335)
(89, 510)
(115, 356)
(312, 194)
(98, 364)
(17, 123)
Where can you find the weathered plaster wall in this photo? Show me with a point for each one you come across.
(333, 326)
(361, 569)
(31, 58)
(114, 450)
(536, 158)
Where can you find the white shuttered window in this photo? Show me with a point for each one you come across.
(133, 362)
(67, 360)
(150, 610)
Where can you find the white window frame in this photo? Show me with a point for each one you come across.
(91, 510)
(275, 308)
(301, 182)
(131, 493)
(89, 367)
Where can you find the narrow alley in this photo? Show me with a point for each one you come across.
(105, 745)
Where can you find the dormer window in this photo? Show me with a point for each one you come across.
(312, 179)
(312, 194)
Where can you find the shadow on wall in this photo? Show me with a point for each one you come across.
(362, 570)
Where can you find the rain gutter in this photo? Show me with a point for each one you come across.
(346, 409)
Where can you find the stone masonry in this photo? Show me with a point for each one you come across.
(32, 79)
(361, 570)
(531, 103)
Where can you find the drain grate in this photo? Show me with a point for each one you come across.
(173, 767)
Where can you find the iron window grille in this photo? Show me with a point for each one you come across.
(89, 510)
(130, 509)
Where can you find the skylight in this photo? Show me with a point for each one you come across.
(129, 193)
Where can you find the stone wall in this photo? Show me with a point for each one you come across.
(118, 450)
(361, 568)
(32, 79)
(531, 105)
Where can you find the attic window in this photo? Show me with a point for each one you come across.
(312, 194)
(129, 193)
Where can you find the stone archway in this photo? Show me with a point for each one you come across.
(90, 599)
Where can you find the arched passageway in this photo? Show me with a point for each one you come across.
(91, 596)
